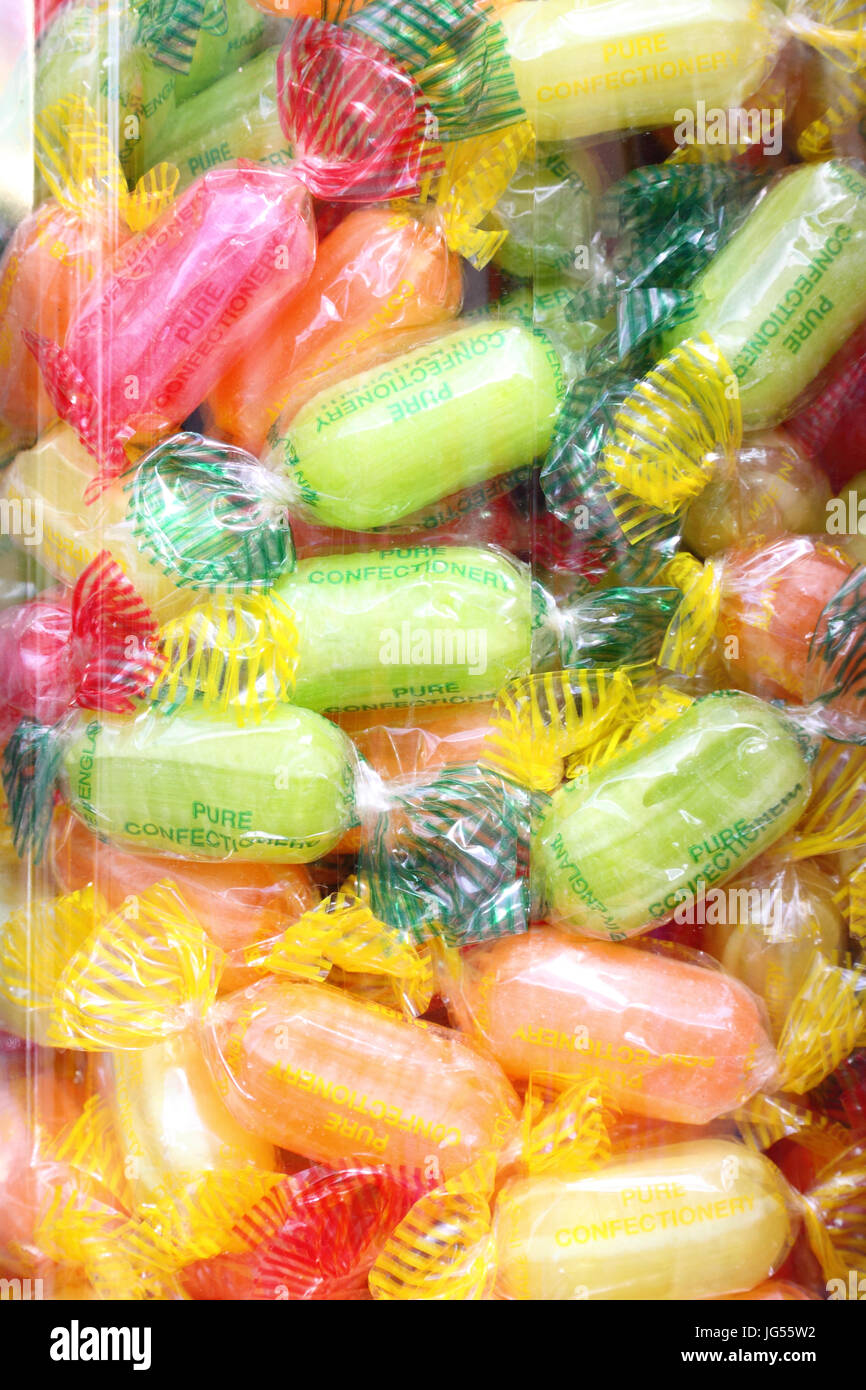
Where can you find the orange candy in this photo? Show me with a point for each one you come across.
(237, 904)
(772, 597)
(672, 1039)
(415, 743)
(377, 272)
(326, 1075)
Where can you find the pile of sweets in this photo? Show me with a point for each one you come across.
(433, 652)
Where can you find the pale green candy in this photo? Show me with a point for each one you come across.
(216, 52)
(691, 806)
(427, 625)
(544, 305)
(199, 786)
(788, 289)
(91, 51)
(547, 212)
(474, 403)
(236, 118)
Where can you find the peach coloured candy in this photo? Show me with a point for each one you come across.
(672, 1039)
(238, 903)
(301, 1065)
(329, 1076)
(772, 597)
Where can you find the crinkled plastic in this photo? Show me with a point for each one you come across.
(201, 282)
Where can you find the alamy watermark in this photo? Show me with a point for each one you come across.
(846, 515)
(411, 645)
(721, 907)
(714, 125)
(22, 517)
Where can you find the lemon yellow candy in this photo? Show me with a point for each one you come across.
(44, 486)
(779, 916)
(690, 1221)
(171, 1121)
(585, 68)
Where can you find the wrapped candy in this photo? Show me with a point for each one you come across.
(52, 255)
(58, 250)
(575, 72)
(123, 61)
(785, 292)
(302, 1065)
(234, 118)
(547, 212)
(489, 408)
(47, 483)
(230, 33)
(669, 1038)
(366, 638)
(376, 273)
(692, 1221)
(197, 497)
(93, 648)
(776, 603)
(213, 265)
(171, 1121)
(357, 632)
(691, 805)
(783, 913)
(769, 488)
(238, 906)
(34, 1109)
(284, 791)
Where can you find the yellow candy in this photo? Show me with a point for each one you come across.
(59, 529)
(582, 68)
(691, 1221)
(171, 1122)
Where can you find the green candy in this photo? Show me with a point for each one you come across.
(547, 212)
(472, 404)
(545, 305)
(621, 847)
(199, 786)
(426, 625)
(236, 118)
(231, 32)
(95, 52)
(788, 289)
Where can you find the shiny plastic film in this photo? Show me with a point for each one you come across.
(432, 632)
